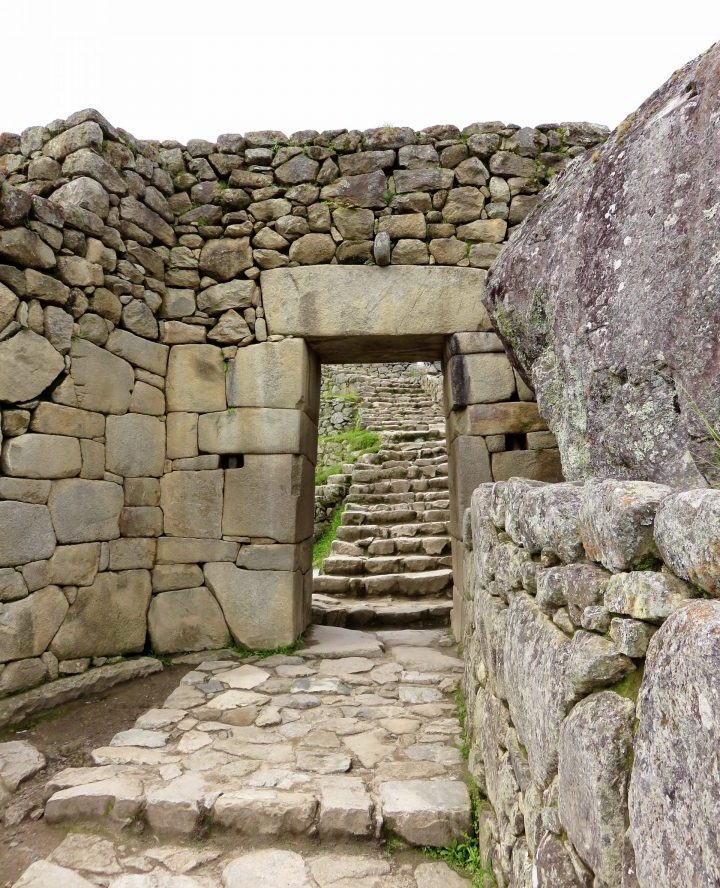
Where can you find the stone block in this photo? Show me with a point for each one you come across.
(29, 625)
(687, 536)
(168, 577)
(195, 379)
(514, 417)
(596, 744)
(544, 516)
(42, 873)
(141, 521)
(270, 496)
(103, 382)
(471, 344)
(263, 608)
(616, 521)
(147, 399)
(86, 630)
(142, 492)
(258, 430)
(647, 595)
(186, 620)
(275, 374)
(192, 503)
(539, 465)
(319, 304)
(346, 808)
(41, 456)
(184, 550)
(24, 490)
(673, 788)
(135, 445)
(266, 812)
(282, 556)
(132, 553)
(21, 675)
(140, 352)
(56, 419)
(12, 585)
(469, 466)
(28, 364)
(74, 565)
(182, 435)
(85, 511)
(426, 812)
(93, 460)
(478, 379)
(27, 533)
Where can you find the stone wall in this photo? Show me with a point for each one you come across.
(155, 467)
(591, 682)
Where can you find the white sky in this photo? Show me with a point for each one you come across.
(169, 69)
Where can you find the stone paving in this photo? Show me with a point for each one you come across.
(352, 738)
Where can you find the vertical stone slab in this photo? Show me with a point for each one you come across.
(596, 742)
(468, 467)
(674, 798)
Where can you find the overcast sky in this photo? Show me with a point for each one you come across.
(175, 70)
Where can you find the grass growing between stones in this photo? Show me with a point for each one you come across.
(464, 855)
(324, 472)
(321, 549)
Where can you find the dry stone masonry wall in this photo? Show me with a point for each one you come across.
(591, 626)
(158, 417)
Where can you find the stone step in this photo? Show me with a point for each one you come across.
(352, 565)
(356, 613)
(430, 582)
(394, 516)
(371, 547)
(409, 497)
(352, 533)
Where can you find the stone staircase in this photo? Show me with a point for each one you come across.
(390, 563)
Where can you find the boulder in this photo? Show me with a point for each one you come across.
(28, 365)
(83, 192)
(589, 292)
(19, 760)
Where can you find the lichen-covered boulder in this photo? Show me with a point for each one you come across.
(609, 294)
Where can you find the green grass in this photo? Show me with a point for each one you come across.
(264, 653)
(322, 473)
(321, 549)
(356, 440)
(464, 854)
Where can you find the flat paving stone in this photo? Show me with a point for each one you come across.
(19, 760)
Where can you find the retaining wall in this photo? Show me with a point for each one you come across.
(591, 642)
(159, 427)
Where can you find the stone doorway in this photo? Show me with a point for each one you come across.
(367, 314)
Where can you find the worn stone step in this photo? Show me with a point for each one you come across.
(357, 613)
(350, 565)
(431, 582)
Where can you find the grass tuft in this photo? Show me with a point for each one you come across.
(321, 549)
